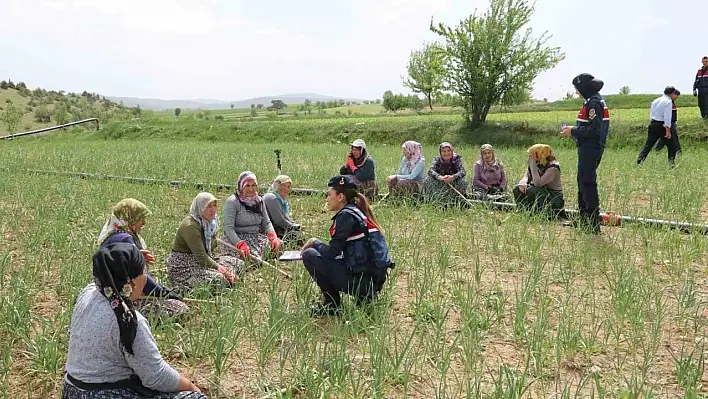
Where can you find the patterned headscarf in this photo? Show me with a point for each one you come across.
(413, 153)
(543, 152)
(447, 145)
(125, 214)
(496, 163)
(113, 268)
(244, 178)
(196, 211)
(281, 179)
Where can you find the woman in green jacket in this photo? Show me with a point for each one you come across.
(192, 261)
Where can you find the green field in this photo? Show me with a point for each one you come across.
(482, 303)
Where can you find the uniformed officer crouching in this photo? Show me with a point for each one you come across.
(356, 260)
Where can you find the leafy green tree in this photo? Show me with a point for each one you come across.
(426, 72)
(12, 116)
(232, 106)
(516, 96)
(486, 56)
(624, 90)
(178, 111)
(307, 107)
(61, 114)
(42, 114)
(3, 85)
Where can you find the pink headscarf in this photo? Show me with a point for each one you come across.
(413, 153)
(244, 178)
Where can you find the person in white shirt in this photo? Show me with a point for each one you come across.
(660, 125)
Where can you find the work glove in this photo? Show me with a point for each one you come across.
(275, 242)
(244, 249)
(227, 274)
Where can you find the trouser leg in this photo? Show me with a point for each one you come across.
(322, 272)
(703, 103)
(654, 132)
(588, 196)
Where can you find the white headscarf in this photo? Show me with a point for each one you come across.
(196, 211)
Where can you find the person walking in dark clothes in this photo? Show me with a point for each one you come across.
(700, 88)
(660, 125)
(590, 134)
(674, 130)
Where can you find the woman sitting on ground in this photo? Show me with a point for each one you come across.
(247, 226)
(192, 261)
(489, 174)
(112, 353)
(411, 173)
(541, 189)
(346, 264)
(361, 169)
(278, 207)
(128, 217)
(446, 171)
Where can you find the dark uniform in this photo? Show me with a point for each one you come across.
(701, 85)
(345, 264)
(590, 135)
(674, 130)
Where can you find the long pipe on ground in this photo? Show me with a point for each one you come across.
(49, 129)
(608, 218)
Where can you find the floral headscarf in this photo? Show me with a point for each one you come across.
(543, 152)
(281, 179)
(454, 154)
(244, 178)
(413, 153)
(125, 214)
(113, 268)
(196, 211)
(496, 163)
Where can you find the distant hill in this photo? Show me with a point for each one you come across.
(158, 104)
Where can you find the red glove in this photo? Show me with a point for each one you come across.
(275, 242)
(350, 164)
(225, 272)
(245, 250)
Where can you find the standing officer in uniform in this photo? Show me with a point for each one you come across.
(590, 134)
(674, 130)
(700, 88)
(346, 264)
(660, 125)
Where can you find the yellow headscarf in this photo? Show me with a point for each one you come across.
(542, 152)
(124, 214)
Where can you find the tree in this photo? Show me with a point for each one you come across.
(232, 106)
(12, 115)
(42, 114)
(308, 106)
(10, 84)
(178, 111)
(516, 96)
(3, 85)
(569, 95)
(377, 101)
(253, 106)
(259, 106)
(61, 114)
(624, 90)
(426, 72)
(276, 105)
(394, 102)
(254, 113)
(488, 55)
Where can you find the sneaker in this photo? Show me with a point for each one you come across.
(322, 309)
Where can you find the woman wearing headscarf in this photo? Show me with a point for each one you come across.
(193, 259)
(541, 189)
(127, 219)
(246, 223)
(409, 179)
(276, 202)
(489, 174)
(361, 169)
(112, 353)
(446, 170)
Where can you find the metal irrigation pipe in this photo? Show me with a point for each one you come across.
(608, 217)
(49, 129)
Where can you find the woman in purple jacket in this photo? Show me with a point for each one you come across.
(124, 225)
(489, 174)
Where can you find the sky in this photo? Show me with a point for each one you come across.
(239, 49)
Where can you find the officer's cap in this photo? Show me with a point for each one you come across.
(340, 182)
